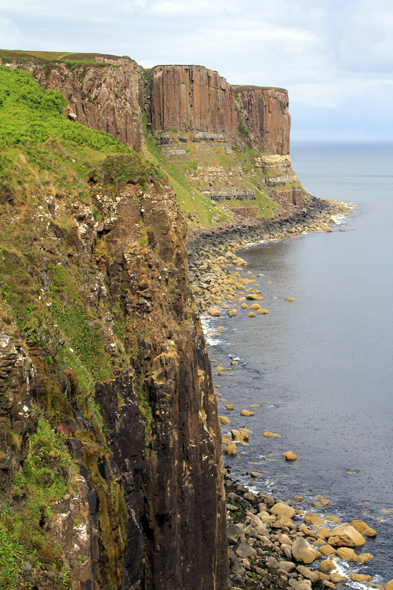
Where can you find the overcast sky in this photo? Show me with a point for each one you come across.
(334, 56)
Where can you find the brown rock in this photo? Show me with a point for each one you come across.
(246, 413)
(303, 552)
(289, 456)
(240, 436)
(327, 550)
(191, 98)
(360, 577)
(267, 117)
(229, 406)
(337, 578)
(326, 566)
(89, 90)
(271, 434)
(345, 535)
(389, 585)
(363, 528)
(223, 419)
(311, 518)
(308, 574)
(281, 509)
(230, 449)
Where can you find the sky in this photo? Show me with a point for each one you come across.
(335, 57)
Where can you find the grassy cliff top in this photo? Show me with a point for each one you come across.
(247, 88)
(46, 57)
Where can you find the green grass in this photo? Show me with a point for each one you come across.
(29, 115)
(189, 199)
(48, 472)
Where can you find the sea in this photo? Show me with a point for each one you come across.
(321, 367)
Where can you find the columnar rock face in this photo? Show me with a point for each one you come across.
(191, 98)
(264, 111)
(172, 467)
(106, 96)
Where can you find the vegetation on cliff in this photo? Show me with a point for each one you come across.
(50, 164)
(94, 295)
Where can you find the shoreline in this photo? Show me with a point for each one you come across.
(261, 541)
(211, 252)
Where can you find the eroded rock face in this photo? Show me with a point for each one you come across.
(265, 112)
(104, 97)
(17, 418)
(191, 98)
(161, 416)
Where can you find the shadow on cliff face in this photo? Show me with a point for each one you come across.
(121, 380)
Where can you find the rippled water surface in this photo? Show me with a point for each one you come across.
(322, 366)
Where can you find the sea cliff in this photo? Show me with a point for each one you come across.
(111, 467)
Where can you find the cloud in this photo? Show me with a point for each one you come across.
(327, 52)
(10, 35)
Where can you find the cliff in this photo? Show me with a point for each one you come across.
(264, 112)
(111, 468)
(110, 444)
(180, 107)
(104, 92)
(191, 98)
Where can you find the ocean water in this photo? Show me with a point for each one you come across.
(321, 368)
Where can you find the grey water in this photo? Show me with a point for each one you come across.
(321, 367)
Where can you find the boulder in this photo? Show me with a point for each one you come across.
(323, 533)
(243, 305)
(214, 311)
(326, 566)
(308, 574)
(254, 406)
(303, 552)
(363, 528)
(331, 518)
(287, 566)
(389, 585)
(250, 497)
(289, 299)
(234, 532)
(229, 406)
(244, 551)
(230, 449)
(359, 577)
(327, 550)
(282, 521)
(246, 413)
(285, 540)
(281, 509)
(289, 456)
(251, 314)
(239, 435)
(311, 518)
(262, 310)
(223, 420)
(337, 578)
(345, 535)
(232, 312)
(270, 434)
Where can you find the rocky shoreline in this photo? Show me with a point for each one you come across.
(273, 544)
(277, 545)
(211, 252)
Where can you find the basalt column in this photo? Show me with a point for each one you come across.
(191, 98)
